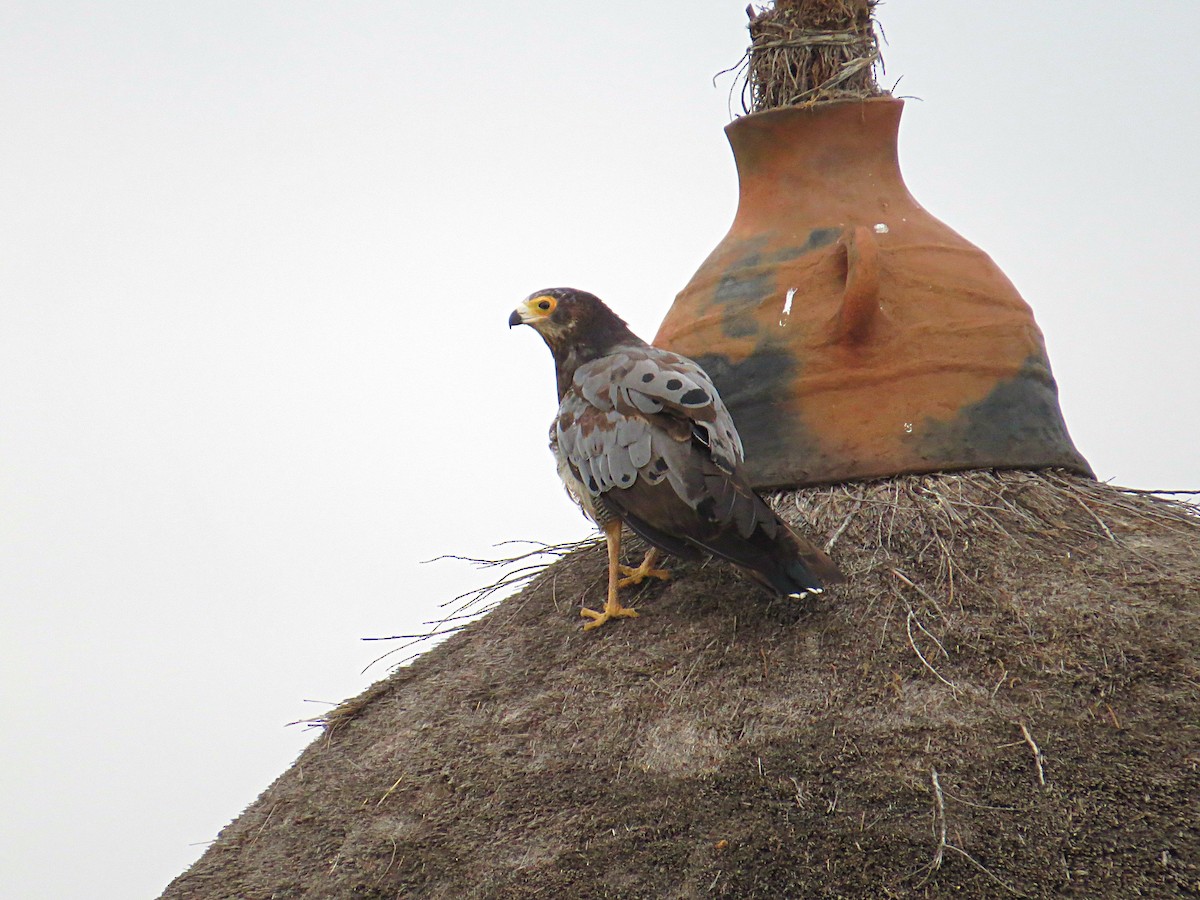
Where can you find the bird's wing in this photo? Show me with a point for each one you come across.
(647, 382)
(646, 429)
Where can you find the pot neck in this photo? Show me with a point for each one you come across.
(829, 150)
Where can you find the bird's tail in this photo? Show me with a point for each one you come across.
(769, 550)
(738, 525)
(792, 566)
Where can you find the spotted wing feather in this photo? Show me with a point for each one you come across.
(646, 381)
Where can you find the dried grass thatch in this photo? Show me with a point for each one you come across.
(1004, 700)
(804, 52)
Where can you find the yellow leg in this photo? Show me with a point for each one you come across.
(645, 570)
(612, 608)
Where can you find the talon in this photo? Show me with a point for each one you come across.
(599, 618)
(636, 575)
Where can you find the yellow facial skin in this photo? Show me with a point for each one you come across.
(533, 310)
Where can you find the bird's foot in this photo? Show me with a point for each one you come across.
(635, 576)
(612, 610)
(641, 573)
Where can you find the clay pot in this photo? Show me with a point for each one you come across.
(851, 333)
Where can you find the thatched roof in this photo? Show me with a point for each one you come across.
(1004, 700)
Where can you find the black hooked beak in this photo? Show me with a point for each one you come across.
(514, 319)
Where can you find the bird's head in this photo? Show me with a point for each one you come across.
(567, 318)
(549, 311)
(553, 312)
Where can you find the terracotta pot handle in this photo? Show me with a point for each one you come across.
(860, 298)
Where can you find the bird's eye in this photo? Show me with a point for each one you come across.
(545, 304)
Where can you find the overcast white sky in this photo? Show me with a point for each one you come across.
(256, 261)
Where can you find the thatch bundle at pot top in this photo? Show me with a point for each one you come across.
(1003, 701)
(804, 52)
